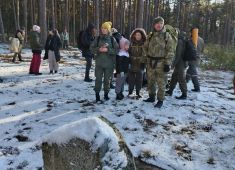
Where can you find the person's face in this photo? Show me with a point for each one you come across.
(50, 33)
(104, 31)
(93, 31)
(138, 36)
(158, 26)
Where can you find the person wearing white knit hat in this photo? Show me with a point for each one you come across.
(36, 47)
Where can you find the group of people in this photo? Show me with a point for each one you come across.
(52, 53)
(52, 46)
(156, 53)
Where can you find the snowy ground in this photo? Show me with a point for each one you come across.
(198, 133)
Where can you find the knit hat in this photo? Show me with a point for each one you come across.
(157, 20)
(36, 28)
(124, 43)
(107, 25)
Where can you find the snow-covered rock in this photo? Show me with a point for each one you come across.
(86, 144)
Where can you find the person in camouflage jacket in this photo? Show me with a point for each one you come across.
(135, 75)
(159, 51)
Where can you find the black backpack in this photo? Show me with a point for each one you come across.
(190, 52)
(80, 45)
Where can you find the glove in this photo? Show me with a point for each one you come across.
(122, 74)
(166, 68)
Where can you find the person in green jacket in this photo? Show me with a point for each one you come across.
(104, 48)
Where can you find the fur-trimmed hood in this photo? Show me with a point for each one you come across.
(143, 33)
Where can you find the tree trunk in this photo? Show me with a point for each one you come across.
(2, 26)
(80, 16)
(140, 12)
(156, 8)
(67, 15)
(18, 13)
(74, 23)
(25, 19)
(31, 12)
(14, 12)
(43, 20)
(97, 14)
(53, 13)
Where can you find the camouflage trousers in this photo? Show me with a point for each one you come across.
(102, 73)
(178, 76)
(157, 76)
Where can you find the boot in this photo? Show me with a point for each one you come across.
(159, 104)
(138, 94)
(56, 71)
(112, 86)
(130, 93)
(119, 96)
(106, 96)
(97, 97)
(20, 57)
(196, 90)
(150, 99)
(87, 78)
(182, 97)
(51, 72)
(168, 93)
(14, 58)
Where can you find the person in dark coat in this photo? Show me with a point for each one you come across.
(135, 75)
(87, 38)
(192, 71)
(52, 53)
(179, 65)
(36, 47)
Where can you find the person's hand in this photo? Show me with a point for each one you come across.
(103, 49)
(122, 74)
(166, 68)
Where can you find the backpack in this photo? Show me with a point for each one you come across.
(190, 52)
(80, 45)
(174, 34)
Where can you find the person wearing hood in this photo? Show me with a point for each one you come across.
(179, 65)
(20, 34)
(87, 38)
(122, 66)
(159, 51)
(65, 38)
(53, 44)
(36, 46)
(104, 48)
(135, 75)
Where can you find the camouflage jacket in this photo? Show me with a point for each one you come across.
(136, 56)
(159, 45)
